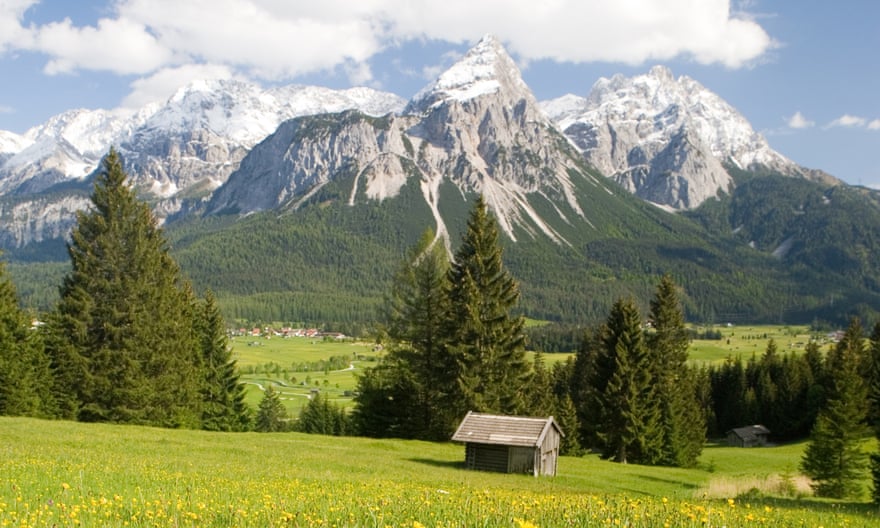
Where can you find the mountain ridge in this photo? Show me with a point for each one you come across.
(340, 194)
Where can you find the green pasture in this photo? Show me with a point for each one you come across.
(55, 473)
(751, 340)
(292, 366)
(279, 361)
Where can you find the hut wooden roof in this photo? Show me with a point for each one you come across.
(504, 430)
(750, 432)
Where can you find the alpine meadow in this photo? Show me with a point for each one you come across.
(286, 324)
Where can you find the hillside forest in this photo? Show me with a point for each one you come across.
(129, 341)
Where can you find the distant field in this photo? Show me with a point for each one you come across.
(274, 361)
(55, 473)
(746, 341)
(292, 367)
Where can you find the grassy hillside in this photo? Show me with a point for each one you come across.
(103, 475)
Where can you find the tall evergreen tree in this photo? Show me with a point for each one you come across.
(485, 339)
(25, 378)
(629, 419)
(871, 372)
(417, 374)
(223, 404)
(123, 343)
(272, 416)
(682, 420)
(833, 458)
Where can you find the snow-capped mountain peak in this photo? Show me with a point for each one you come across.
(664, 138)
(485, 69)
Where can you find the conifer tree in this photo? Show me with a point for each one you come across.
(874, 407)
(485, 339)
(417, 374)
(25, 378)
(629, 419)
(223, 404)
(541, 399)
(272, 416)
(682, 420)
(871, 372)
(122, 339)
(321, 416)
(833, 458)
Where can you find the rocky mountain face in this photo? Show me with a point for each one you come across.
(477, 127)
(177, 151)
(667, 140)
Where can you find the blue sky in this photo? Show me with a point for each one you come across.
(805, 73)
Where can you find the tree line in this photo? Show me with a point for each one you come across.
(128, 340)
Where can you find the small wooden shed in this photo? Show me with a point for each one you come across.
(749, 436)
(510, 444)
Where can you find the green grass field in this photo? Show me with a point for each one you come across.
(749, 340)
(274, 361)
(55, 473)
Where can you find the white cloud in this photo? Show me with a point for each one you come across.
(12, 34)
(119, 45)
(799, 121)
(162, 84)
(848, 121)
(874, 125)
(275, 39)
(6, 109)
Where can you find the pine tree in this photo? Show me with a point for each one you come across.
(271, 414)
(25, 378)
(871, 372)
(223, 395)
(122, 340)
(833, 458)
(874, 406)
(417, 373)
(566, 417)
(682, 420)
(485, 339)
(629, 419)
(541, 400)
(321, 416)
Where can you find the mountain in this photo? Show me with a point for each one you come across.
(477, 127)
(299, 201)
(176, 152)
(667, 140)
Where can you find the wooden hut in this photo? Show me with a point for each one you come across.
(749, 436)
(510, 444)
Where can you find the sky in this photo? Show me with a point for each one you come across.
(805, 73)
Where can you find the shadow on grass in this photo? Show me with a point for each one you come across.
(451, 464)
(865, 509)
(683, 484)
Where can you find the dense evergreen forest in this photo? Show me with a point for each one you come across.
(775, 250)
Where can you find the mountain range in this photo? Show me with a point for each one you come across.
(645, 175)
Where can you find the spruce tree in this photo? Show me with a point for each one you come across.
(321, 416)
(629, 419)
(484, 337)
(833, 458)
(682, 421)
(272, 416)
(25, 378)
(122, 339)
(417, 373)
(223, 404)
